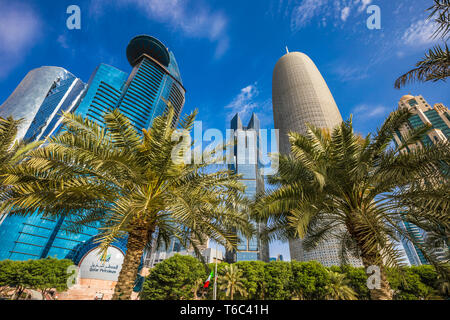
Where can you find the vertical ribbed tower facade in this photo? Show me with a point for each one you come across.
(300, 95)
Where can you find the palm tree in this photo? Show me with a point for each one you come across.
(133, 185)
(198, 286)
(12, 151)
(231, 281)
(436, 64)
(338, 287)
(443, 285)
(339, 185)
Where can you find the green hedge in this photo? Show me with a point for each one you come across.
(175, 278)
(42, 274)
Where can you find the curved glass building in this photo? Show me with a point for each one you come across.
(39, 99)
(300, 95)
(140, 95)
(155, 77)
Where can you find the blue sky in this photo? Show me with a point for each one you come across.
(226, 50)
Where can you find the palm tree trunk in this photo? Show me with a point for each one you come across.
(384, 292)
(137, 240)
(372, 259)
(231, 293)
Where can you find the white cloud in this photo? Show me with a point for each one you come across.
(19, 31)
(304, 13)
(244, 102)
(369, 111)
(346, 73)
(364, 4)
(62, 40)
(419, 33)
(345, 13)
(193, 21)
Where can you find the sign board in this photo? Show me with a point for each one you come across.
(92, 267)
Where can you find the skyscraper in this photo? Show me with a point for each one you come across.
(300, 95)
(40, 98)
(438, 117)
(247, 160)
(140, 96)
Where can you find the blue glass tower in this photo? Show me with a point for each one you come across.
(438, 118)
(64, 95)
(140, 95)
(40, 99)
(247, 162)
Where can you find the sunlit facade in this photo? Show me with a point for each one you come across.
(139, 95)
(40, 98)
(438, 117)
(247, 163)
(301, 96)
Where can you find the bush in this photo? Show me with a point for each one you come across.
(277, 278)
(253, 274)
(42, 274)
(309, 280)
(173, 279)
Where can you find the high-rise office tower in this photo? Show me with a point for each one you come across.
(438, 117)
(300, 95)
(139, 95)
(40, 98)
(413, 253)
(247, 162)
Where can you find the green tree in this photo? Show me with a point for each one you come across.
(13, 274)
(407, 285)
(436, 64)
(48, 273)
(231, 281)
(337, 184)
(42, 274)
(338, 287)
(309, 280)
(12, 151)
(357, 280)
(173, 279)
(253, 278)
(278, 279)
(133, 184)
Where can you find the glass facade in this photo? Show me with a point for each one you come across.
(40, 98)
(247, 155)
(28, 98)
(139, 95)
(63, 96)
(439, 119)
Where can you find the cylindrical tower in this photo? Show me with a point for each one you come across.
(300, 95)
